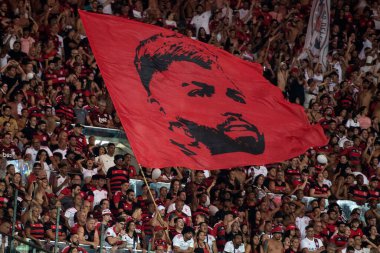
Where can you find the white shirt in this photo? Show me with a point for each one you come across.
(179, 241)
(110, 232)
(89, 173)
(327, 182)
(4, 60)
(201, 21)
(99, 195)
(259, 170)
(186, 209)
(131, 242)
(229, 247)
(363, 250)
(107, 9)
(34, 152)
(63, 152)
(301, 224)
(310, 244)
(210, 240)
(60, 180)
(108, 161)
(352, 123)
(69, 214)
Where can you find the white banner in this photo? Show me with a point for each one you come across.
(318, 31)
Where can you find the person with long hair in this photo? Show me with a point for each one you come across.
(175, 187)
(39, 192)
(42, 157)
(200, 244)
(258, 186)
(131, 238)
(294, 245)
(255, 244)
(209, 239)
(17, 181)
(257, 222)
(34, 228)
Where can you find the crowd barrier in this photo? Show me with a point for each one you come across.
(27, 246)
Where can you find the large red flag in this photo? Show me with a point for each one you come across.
(186, 103)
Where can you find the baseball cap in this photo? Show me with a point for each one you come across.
(277, 229)
(106, 211)
(290, 227)
(161, 207)
(78, 125)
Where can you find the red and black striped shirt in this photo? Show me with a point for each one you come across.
(36, 229)
(116, 176)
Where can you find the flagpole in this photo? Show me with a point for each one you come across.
(154, 202)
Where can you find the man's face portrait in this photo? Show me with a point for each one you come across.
(216, 119)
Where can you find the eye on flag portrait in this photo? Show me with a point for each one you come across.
(186, 103)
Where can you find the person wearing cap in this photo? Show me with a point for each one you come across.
(236, 245)
(105, 222)
(290, 231)
(274, 244)
(116, 175)
(184, 242)
(310, 244)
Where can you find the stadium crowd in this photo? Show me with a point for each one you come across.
(49, 76)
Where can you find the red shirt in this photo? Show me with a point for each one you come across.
(8, 152)
(356, 232)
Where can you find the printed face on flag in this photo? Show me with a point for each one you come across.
(186, 103)
(229, 131)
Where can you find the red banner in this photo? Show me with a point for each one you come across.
(186, 103)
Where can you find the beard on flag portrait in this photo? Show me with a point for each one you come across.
(186, 103)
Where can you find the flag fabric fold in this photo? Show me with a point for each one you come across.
(186, 103)
(318, 31)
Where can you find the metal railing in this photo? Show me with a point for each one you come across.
(9, 243)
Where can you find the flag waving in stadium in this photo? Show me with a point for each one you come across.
(186, 103)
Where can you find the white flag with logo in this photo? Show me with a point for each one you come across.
(318, 31)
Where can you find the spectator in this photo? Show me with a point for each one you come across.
(183, 243)
(310, 243)
(50, 80)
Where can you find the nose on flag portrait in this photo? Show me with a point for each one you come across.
(186, 103)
